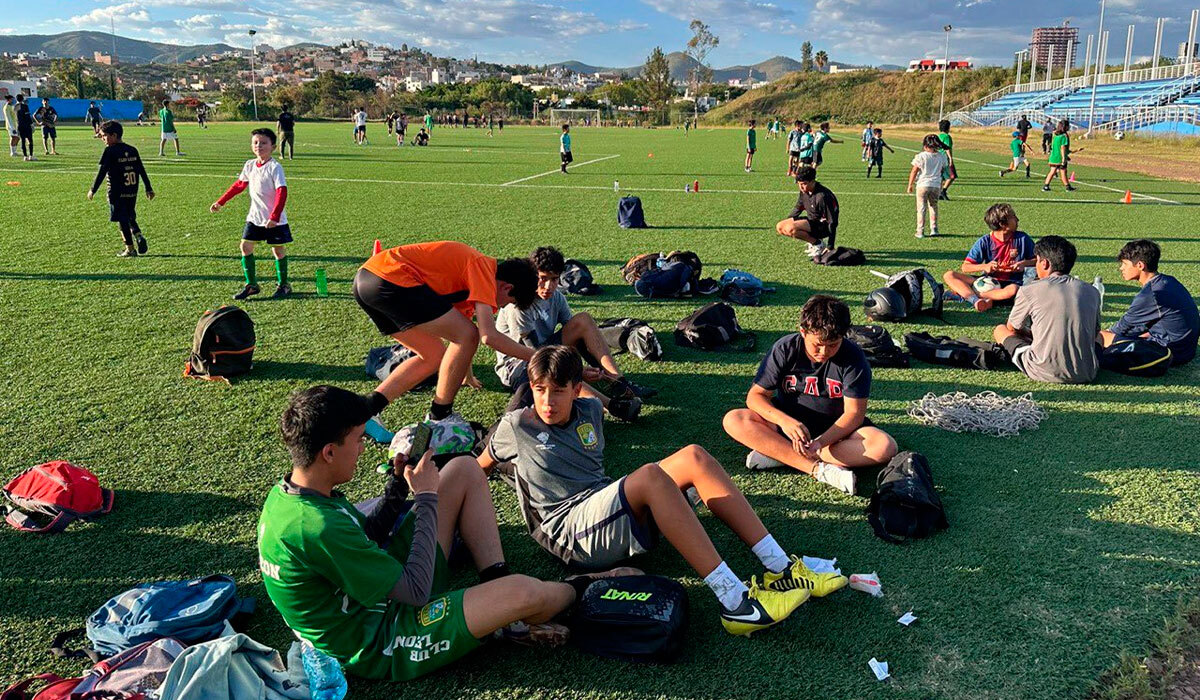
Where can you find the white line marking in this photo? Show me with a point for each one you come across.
(551, 172)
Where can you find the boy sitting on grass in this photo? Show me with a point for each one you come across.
(266, 220)
(1001, 255)
(1162, 311)
(807, 407)
(371, 590)
(580, 515)
(1052, 329)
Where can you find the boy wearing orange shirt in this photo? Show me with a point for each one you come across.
(424, 295)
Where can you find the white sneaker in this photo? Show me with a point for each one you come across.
(933, 232)
(812, 250)
(759, 461)
(840, 478)
(32, 158)
(920, 235)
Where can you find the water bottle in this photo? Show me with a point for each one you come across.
(616, 186)
(1099, 285)
(325, 678)
(322, 283)
(688, 188)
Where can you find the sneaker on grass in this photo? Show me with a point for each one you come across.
(247, 292)
(626, 409)
(758, 461)
(800, 576)
(142, 245)
(282, 291)
(839, 478)
(762, 608)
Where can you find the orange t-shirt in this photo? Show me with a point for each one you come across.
(446, 267)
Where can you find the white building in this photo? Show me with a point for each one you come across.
(413, 84)
(377, 54)
(27, 88)
(835, 68)
(437, 76)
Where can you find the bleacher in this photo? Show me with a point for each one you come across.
(1147, 93)
(1192, 99)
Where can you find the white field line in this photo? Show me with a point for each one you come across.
(551, 172)
(1077, 182)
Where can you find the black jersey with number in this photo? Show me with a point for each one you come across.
(47, 115)
(122, 164)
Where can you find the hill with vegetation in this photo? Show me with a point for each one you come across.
(682, 66)
(861, 96)
(83, 44)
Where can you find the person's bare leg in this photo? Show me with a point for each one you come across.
(865, 447)
(694, 466)
(428, 355)
(961, 284)
(1001, 294)
(582, 328)
(1106, 338)
(651, 491)
(495, 604)
(799, 230)
(465, 505)
(760, 435)
(463, 339)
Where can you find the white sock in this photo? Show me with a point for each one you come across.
(771, 554)
(972, 299)
(728, 588)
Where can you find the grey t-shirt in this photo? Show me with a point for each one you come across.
(557, 466)
(533, 326)
(1063, 316)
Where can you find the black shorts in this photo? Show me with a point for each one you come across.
(817, 423)
(360, 129)
(819, 229)
(751, 150)
(95, 123)
(123, 211)
(820, 159)
(876, 160)
(49, 132)
(394, 309)
(278, 235)
(794, 154)
(807, 160)
(567, 158)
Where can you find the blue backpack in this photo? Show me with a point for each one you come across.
(742, 288)
(669, 280)
(190, 611)
(629, 213)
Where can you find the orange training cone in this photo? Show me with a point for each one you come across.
(649, 155)
(378, 247)
(696, 186)
(1072, 179)
(1128, 197)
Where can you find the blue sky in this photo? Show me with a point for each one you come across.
(618, 32)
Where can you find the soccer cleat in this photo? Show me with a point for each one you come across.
(545, 634)
(1002, 173)
(800, 576)
(142, 245)
(933, 232)
(127, 253)
(762, 608)
(812, 250)
(758, 461)
(282, 291)
(1070, 188)
(1045, 188)
(839, 478)
(625, 409)
(247, 291)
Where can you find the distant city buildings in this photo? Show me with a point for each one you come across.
(936, 65)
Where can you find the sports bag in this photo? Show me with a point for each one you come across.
(383, 360)
(635, 618)
(840, 257)
(135, 672)
(712, 326)
(911, 286)
(633, 336)
(967, 353)
(691, 260)
(577, 278)
(1136, 357)
(905, 505)
(223, 345)
(47, 498)
(672, 279)
(878, 346)
(189, 611)
(742, 288)
(629, 213)
(638, 265)
(57, 688)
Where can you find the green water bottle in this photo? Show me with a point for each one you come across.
(322, 283)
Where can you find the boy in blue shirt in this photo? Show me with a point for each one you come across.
(1162, 311)
(564, 147)
(1001, 256)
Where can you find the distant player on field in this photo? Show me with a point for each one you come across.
(821, 138)
(1018, 155)
(202, 115)
(564, 147)
(47, 117)
(287, 133)
(751, 145)
(94, 117)
(122, 165)
(166, 120)
(866, 139)
(360, 126)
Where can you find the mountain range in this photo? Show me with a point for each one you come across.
(85, 44)
(682, 66)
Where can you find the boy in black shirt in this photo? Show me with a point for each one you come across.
(820, 209)
(122, 165)
(94, 117)
(25, 128)
(808, 404)
(47, 116)
(875, 150)
(287, 136)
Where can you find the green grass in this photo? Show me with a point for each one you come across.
(1067, 544)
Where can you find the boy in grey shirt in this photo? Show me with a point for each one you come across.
(1051, 331)
(577, 513)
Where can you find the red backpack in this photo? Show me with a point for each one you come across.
(49, 497)
(57, 688)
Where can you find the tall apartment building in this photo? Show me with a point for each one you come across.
(1056, 40)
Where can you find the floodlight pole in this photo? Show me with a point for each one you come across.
(253, 87)
(1158, 32)
(1100, 67)
(945, 69)
(1020, 55)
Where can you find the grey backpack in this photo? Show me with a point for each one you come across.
(633, 336)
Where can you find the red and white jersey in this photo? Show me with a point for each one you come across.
(262, 180)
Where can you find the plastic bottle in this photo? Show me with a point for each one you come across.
(322, 283)
(688, 188)
(1099, 285)
(616, 186)
(325, 678)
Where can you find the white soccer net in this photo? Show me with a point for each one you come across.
(575, 117)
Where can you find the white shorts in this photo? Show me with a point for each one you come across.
(170, 135)
(1019, 162)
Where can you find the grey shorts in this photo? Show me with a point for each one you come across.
(602, 530)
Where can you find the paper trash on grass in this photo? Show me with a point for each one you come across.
(821, 566)
(867, 583)
(907, 618)
(879, 668)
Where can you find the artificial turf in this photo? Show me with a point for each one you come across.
(1067, 544)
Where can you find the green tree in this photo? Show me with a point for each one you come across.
(698, 47)
(236, 103)
(9, 70)
(806, 56)
(821, 59)
(623, 94)
(656, 84)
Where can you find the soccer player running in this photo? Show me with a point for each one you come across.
(94, 117)
(1018, 154)
(1060, 156)
(47, 117)
(122, 165)
(821, 138)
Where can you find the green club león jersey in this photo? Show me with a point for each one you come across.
(947, 142)
(1056, 148)
(1016, 148)
(167, 119)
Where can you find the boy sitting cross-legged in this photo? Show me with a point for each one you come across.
(1002, 255)
(807, 407)
(1162, 311)
(577, 513)
(371, 590)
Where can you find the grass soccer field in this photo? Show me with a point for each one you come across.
(1067, 544)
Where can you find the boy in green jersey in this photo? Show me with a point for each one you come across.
(950, 174)
(751, 145)
(370, 589)
(166, 119)
(822, 138)
(1018, 155)
(1060, 156)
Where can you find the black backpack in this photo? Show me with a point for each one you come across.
(693, 261)
(577, 279)
(910, 284)
(629, 213)
(1136, 357)
(635, 618)
(383, 360)
(967, 353)
(223, 345)
(878, 346)
(713, 326)
(905, 505)
(840, 257)
(633, 336)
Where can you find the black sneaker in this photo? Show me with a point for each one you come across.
(945, 197)
(1002, 173)
(247, 291)
(625, 409)
(1045, 188)
(142, 245)
(628, 388)
(282, 291)
(127, 253)
(1070, 189)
